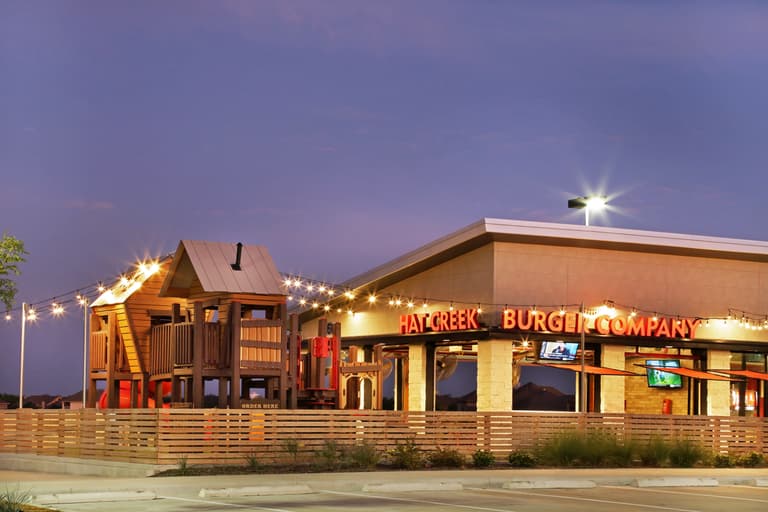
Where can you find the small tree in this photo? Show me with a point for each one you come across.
(11, 254)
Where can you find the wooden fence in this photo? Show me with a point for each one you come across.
(230, 436)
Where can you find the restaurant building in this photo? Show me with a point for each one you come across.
(646, 322)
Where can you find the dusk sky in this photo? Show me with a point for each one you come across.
(342, 134)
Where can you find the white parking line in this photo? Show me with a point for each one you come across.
(579, 498)
(221, 504)
(697, 494)
(422, 502)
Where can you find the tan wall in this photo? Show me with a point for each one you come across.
(672, 285)
(612, 389)
(468, 278)
(494, 375)
(718, 393)
(640, 399)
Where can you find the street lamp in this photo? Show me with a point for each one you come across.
(588, 203)
(21, 362)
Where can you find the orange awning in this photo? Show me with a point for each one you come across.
(593, 370)
(745, 373)
(687, 372)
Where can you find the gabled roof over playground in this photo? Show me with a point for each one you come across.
(217, 267)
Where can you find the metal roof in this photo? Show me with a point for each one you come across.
(212, 264)
(489, 230)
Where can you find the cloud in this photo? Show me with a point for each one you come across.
(79, 204)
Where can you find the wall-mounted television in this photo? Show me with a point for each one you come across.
(558, 350)
(658, 378)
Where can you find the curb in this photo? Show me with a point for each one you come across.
(677, 482)
(269, 490)
(92, 497)
(413, 487)
(549, 484)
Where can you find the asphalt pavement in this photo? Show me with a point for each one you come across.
(390, 490)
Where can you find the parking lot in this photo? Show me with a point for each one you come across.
(598, 499)
(592, 490)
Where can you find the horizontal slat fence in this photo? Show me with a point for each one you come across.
(230, 436)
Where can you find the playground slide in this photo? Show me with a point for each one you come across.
(124, 398)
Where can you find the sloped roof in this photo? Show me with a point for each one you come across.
(211, 263)
(489, 230)
(121, 291)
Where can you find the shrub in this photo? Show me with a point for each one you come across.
(362, 456)
(251, 461)
(722, 461)
(749, 460)
(291, 446)
(564, 449)
(13, 500)
(183, 465)
(655, 452)
(483, 458)
(685, 453)
(406, 455)
(521, 459)
(572, 448)
(329, 456)
(446, 458)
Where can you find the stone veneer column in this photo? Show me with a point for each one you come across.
(417, 377)
(494, 375)
(612, 388)
(718, 392)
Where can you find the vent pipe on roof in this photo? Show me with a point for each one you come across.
(236, 264)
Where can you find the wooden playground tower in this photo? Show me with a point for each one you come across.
(216, 312)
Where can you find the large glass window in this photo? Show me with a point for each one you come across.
(748, 395)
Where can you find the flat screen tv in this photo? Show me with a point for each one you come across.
(658, 378)
(558, 350)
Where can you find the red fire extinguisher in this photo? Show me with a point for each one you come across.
(666, 406)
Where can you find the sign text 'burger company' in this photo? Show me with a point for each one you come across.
(573, 323)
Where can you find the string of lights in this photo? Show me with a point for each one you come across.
(305, 294)
(57, 305)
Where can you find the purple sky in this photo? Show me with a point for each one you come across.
(342, 134)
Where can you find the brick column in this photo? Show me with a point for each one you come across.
(417, 377)
(718, 392)
(494, 375)
(612, 388)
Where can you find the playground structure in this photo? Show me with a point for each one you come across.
(216, 312)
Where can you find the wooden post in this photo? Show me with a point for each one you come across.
(378, 356)
(91, 394)
(283, 357)
(134, 394)
(175, 384)
(234, 329)
(336, 366)
(430, 387)
(294, 351)
(318, 371)
(111, 355)
(222, 392)
(197, 357)
(145, 391)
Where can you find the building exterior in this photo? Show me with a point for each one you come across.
(625, 302)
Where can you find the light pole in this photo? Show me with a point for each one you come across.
(84, 303)
(583, 375)
(21, 363)
(588, 203)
